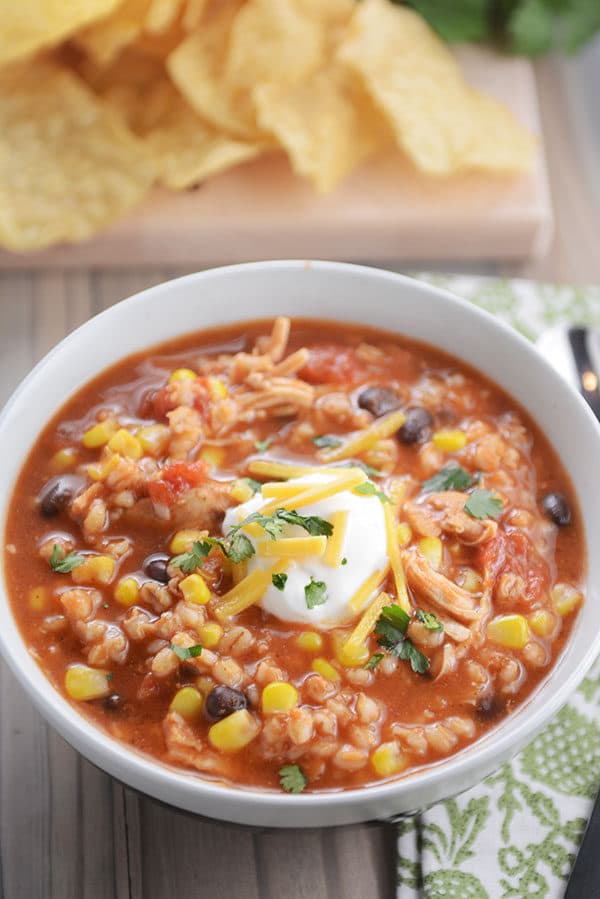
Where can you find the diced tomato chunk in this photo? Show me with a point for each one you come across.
(175, 478)
(332, 364)
(514, 553)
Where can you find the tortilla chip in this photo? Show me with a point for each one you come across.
(196, 69)
(104, 40)
(414, 79)
(326, 124)
(68, 164)
(30, 25)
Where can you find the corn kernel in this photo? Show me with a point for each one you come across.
(404, 533)
(204, 684)
(124, 443)
(182, 374)
(352, 655)
(182, 540)
(154, 439)
(188, 702)
(94, 570)
(565, 598)
(542, 622)
(83, 683)
(241, 491)
(194, 589)
(387, 760)
(210, 634)
(326, 670)
(99, 471)
(99, 434)
(509, 630)
(234, 732)
(216, 388)
(214, 455)
(64, 459)
(310, 641)
(37, 598)
(127, 591)
(431, 547)
(449, 440)
(278, 697)
(470, 581)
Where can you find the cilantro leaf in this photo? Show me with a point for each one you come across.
(458, 20)
(451, 477)
(186, 652)
(279, 580)
(391, 629)
(239, 548)
(531, 28)
(430, 620)
(315, 526)
(193, 558)
(483, 504)
(261, 446)
(64, 564)
(253, 484)
(369, 489)
(344, 561)
(315, 593)
(292, 778)
(374, 661)
(324, 441)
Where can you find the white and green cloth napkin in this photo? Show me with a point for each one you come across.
(517, 833)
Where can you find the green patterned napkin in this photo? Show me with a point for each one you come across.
(516, 834)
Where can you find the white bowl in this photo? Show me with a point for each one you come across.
(319, 290)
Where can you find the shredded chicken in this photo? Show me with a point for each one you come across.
(444, 513)
(186, 748)
(438, 589)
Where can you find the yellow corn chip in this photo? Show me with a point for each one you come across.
(193, 14)
(196, 66)
(104, 40)
(413, 77)
(274, 40)
(162, 15)
(326, 124)
(28, 25)
(68, 164)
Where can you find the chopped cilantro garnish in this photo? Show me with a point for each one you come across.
(186, 652)
(315, 593)
(344, 561)
(391, 629)
(374, 661)
(292, 778)
(451, 477)
(326, 441)
(109, 676)
(64, 564)
(483, 504)
(253, 484)
(193, 558)
(262, 446)
(315, 526)
(279, 580)
(369, 489)
(430, 620)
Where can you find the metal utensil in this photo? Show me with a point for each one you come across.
(575, 353)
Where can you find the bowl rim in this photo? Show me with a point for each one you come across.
(125, 763)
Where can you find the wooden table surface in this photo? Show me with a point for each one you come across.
(68, 831)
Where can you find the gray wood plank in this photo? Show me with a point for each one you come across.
(292, 863)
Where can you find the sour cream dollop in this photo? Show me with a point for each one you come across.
(364, 548)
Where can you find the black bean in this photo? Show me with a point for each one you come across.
(417, 427)
(379, 400)
(54, 496)
(112, 702)
(155, 566)
(557, 509)
(489, 707)
(223, 701)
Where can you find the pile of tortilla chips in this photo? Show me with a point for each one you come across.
(102, 99)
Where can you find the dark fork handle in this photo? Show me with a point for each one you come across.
(584, 882)
(585, 368)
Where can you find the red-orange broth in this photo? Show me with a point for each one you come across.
(248, 385)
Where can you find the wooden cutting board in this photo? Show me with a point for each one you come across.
(384, 211)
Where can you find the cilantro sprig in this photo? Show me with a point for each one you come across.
(292, 778)
(279, 581)
(390, 630)
(63, 564)
(451, 477)
(374, 661)
(369, 489)
(315, 593)
(430, 620)
(483, 504)
(186, 652)
(193, 558)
